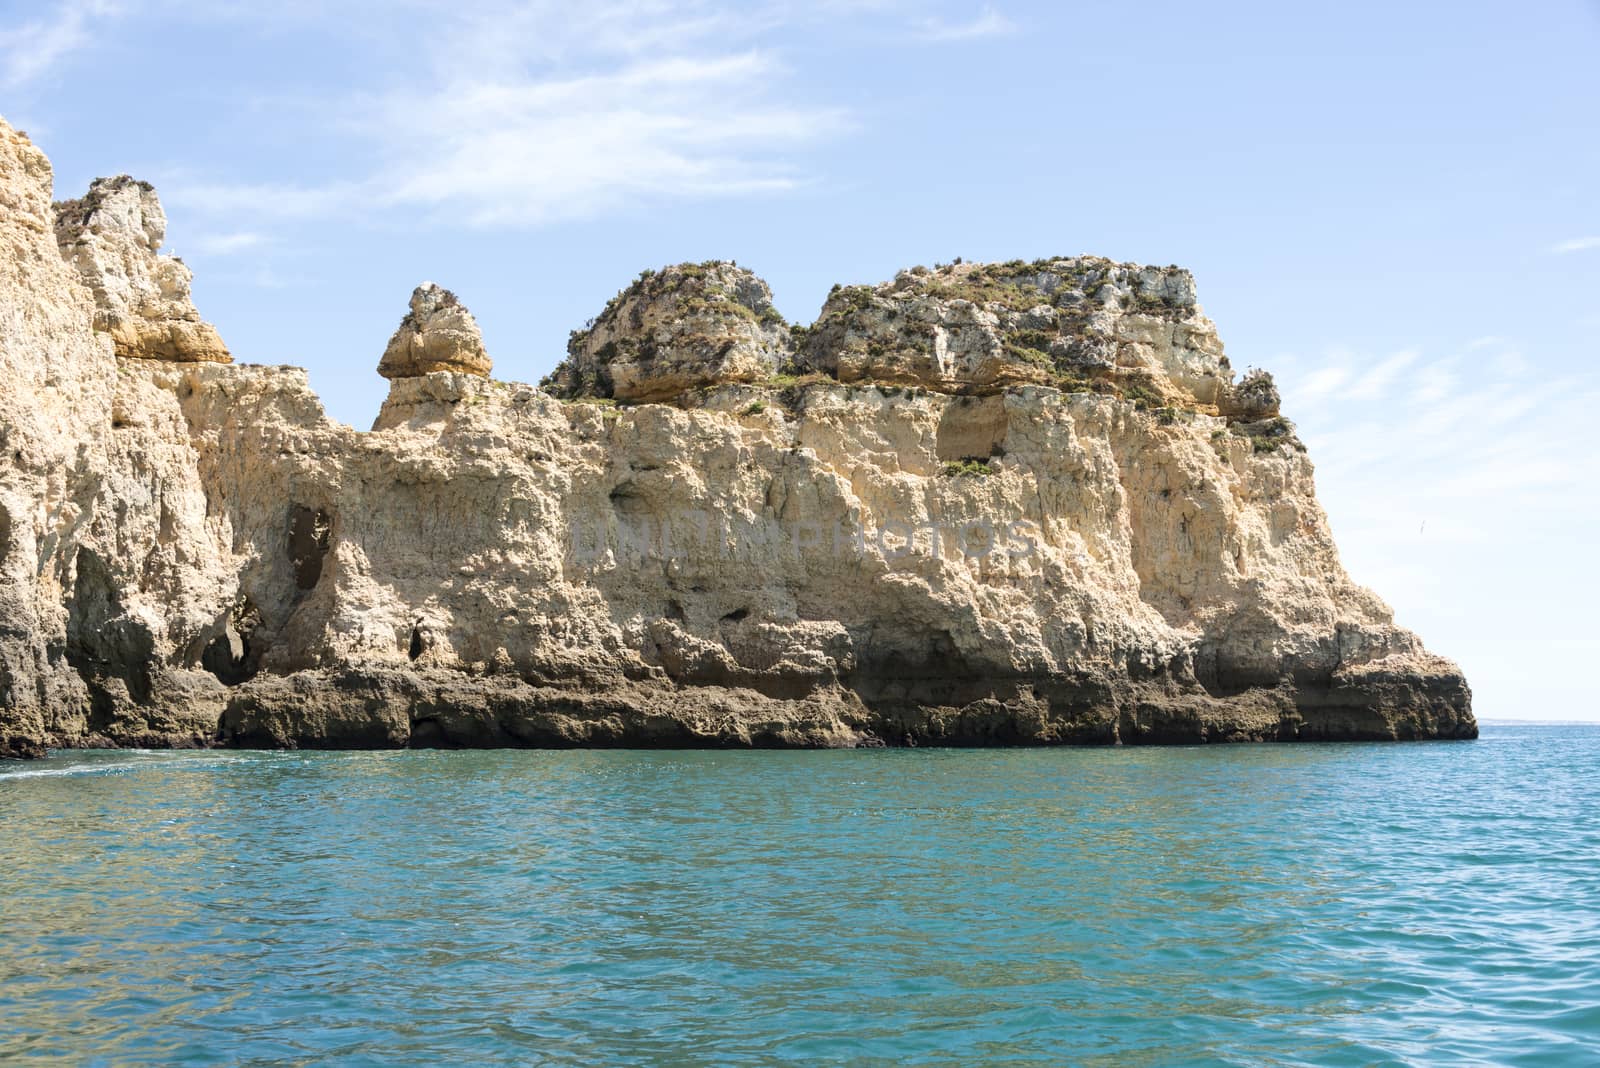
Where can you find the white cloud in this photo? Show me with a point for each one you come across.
(262, 200)
(529, 151)
(526, 112)
(1511, 363)
(1436, 381)
(1324, 380)
(29, 51)
(1377, 379)
(533, 113)
(1414, 436)
(1461, 493)
(227, 244)
(988, 23)
(1577, 244)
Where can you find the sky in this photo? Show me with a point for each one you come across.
(1394, 208)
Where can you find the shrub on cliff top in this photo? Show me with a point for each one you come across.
(1141, 391)
(1269, 435)
(971, 467)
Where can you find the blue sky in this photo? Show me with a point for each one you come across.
(1392, 207)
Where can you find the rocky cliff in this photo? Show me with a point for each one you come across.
(1013, 503)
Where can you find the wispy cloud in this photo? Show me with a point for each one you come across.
(1472, 443)
(532, 150)
(1577, 244)
(1375, 380)
(532, 113)
(1323, 381)
(987, 23)
(228, 244)
(527, 112)
(1459, 491)
(29, 51)
(258, 201)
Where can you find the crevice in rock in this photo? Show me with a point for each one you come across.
(233, 656)
(309, 535)
(1222, 677)
(418, 644)
(627, 498)
(112, 652)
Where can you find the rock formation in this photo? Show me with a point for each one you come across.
(681, 328)
(113, 235)
(437, 334)
(1019, 503)
(975, 327)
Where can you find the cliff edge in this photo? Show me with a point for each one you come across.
(1020, 503)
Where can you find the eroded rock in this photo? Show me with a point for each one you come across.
(438, 333)
(1254, 397)
(113, 236)
(982, 327)
(1109, 542)
(681, 328)
(56, 380)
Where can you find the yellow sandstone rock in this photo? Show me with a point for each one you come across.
(986, 504)
(437, 334)
(113, 236)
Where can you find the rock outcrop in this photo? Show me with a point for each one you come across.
(56, 380)
(975, 328)
(1254, 397)
(438, 333)
(979, 505)
(678, 329)
(113, 236)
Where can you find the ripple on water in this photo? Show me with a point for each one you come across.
(1285, 905)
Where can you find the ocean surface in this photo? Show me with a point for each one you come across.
(1252, 905)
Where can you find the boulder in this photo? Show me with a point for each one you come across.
(437, 334)
(1253, 398)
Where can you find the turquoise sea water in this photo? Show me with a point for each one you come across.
(1278, 904)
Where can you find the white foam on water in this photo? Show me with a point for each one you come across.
(155, 758)
(55, 773)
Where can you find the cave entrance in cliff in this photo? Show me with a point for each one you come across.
(310, 532)
(972, 428)
(110, 650)
(234, 656)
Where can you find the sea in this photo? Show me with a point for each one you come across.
(1305, 904)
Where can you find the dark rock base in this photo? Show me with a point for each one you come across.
(396, 708)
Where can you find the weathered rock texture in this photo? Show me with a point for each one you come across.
(674, 330)
(1027, 517)
(113, 236)
(979, 328)
(437, 334)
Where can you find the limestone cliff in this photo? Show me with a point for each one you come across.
(685, 327)
(113, 236)
(1016, 503)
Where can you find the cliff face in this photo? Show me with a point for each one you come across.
(1020, 503)
(112, 236)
